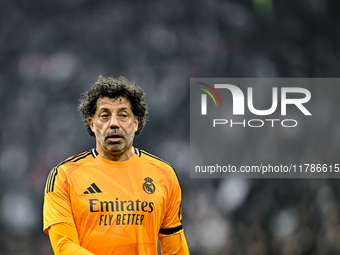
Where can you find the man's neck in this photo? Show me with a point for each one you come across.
(117, 157)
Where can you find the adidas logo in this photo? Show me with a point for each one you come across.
(93, 189)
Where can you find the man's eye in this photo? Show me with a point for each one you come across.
(104, 116)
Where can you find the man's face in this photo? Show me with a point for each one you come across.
(114, 126)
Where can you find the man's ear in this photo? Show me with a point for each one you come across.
(90, 122)
(137, 119)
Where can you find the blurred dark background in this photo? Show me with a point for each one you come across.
(51, 51)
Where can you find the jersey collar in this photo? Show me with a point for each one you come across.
(95, 152)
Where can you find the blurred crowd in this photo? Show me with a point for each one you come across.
(51, 51)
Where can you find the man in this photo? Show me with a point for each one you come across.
(114, 199)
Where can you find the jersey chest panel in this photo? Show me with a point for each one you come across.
(126, 203)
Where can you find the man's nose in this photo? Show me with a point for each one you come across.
(114, 122)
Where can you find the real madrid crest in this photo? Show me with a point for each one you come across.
(148, 186)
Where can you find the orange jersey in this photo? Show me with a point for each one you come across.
(117, 207)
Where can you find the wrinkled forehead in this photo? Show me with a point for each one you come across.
(113, 102)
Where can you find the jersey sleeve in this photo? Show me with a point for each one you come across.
(57, 206)
(64, 240)
(171, 235)
(172, 221)
(174, 244)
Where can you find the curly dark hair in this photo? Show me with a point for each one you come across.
(113, 88)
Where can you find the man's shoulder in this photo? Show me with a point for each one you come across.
(167, 169)
(153, 158)
(60, 170)
(156, 161)
(78, 159)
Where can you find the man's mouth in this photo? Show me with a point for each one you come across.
(114, 138)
